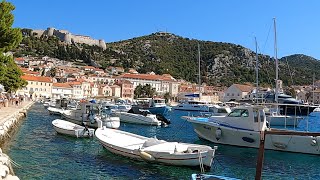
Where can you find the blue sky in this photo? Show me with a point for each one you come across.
(232, 21)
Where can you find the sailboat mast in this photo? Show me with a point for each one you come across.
(276, 59)
(257, 71)
(199, 74)
(313, 88)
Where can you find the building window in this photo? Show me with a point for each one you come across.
(36, 83)
(36, 89)
(41, 84)
(227, 94)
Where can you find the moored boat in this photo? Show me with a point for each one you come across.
(141, 116)
(89, 114)
(154, 150)
(55, 111)
(242, 127)
(71, 129)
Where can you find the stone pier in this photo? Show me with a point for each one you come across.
(9, 117)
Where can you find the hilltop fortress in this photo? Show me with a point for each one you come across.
(68, 38)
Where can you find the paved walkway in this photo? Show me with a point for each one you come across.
(7, 112)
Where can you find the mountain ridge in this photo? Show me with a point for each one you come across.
(163, 53)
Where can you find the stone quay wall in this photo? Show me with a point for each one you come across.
(10, 115)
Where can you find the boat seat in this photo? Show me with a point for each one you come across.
(169, 147)
(152, 142)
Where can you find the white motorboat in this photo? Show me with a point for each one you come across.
(55, 111)
(90, 113)
(154, 150)
(58, 107)
(193, 105)
(242, 127)
(71, 129)
(141, 116)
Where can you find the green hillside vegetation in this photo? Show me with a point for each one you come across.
(221, 63)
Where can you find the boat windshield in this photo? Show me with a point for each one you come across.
(239, 113)
(159, 101)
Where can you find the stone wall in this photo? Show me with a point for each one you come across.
(6, 126)
(68, 38)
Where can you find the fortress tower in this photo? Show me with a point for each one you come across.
(102, 44)
(50, 31)
(67, 38)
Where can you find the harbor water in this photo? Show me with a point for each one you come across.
(41, 153)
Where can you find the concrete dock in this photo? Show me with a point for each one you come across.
(9, 116)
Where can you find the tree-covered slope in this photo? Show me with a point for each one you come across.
(221, 63)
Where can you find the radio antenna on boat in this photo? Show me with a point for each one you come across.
(276, 60)
(313, 89)
(257, 71)
(199, 73)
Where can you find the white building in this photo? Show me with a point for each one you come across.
(237, 92)
(38, 86)
(61, 90)
(161, 83)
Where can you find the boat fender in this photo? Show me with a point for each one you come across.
(218, 134)
(247, 139)
(146, 156)
(313, 141)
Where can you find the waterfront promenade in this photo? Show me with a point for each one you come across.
(12, 110)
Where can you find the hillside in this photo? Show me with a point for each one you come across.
(221, 63)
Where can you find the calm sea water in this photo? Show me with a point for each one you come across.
(43, 154)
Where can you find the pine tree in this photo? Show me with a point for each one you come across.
(10, 74)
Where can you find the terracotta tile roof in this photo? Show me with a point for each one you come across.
(89, 67)
(37, 78)
(75, 83)
(31, 73)
(244, 88)
(115, 86)
(19, 59)
(63, 85)
(145, 76)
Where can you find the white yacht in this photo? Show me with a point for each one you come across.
(202, 106)
(242, 127)
(89, 114)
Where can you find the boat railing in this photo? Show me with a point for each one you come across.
(296, 109)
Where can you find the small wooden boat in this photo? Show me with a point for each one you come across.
(71, 129)
(154, 150)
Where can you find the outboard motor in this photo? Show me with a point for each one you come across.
(163, 120)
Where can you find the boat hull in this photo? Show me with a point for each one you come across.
(55, 111)
(71, 129)
(239, 137)
(110, 122)
(138, 153)
(138, 118)
(159, 110)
